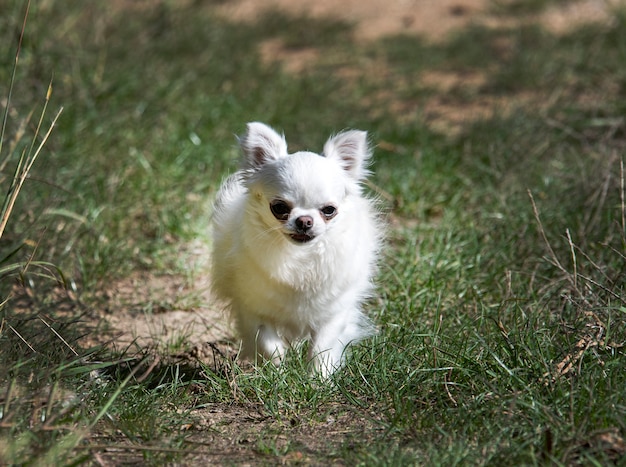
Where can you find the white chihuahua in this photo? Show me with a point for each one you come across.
(295, 246)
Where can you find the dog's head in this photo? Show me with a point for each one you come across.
(302, 195)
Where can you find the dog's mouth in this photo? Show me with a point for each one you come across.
(301, 237)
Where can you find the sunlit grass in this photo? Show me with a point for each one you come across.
(500, 295)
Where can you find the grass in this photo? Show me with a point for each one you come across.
(501, 305)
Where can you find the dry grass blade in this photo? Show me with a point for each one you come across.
(623, 210)
(21, 338)
(571, 278)
(574, 262)
(542, 232)
(21, 131)
(5, 118)
(6, 406)
(58, 335)
(23, 168)
(595, 336)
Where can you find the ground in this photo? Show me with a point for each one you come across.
(373, 19)
(175, 317)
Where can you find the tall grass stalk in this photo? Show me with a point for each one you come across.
(25, 163)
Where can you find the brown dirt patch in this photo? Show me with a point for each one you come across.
(239, 431)
(160, 310)
(564, 17)
(168, 313)
(431, 20)
(243, 434)
(372, 19)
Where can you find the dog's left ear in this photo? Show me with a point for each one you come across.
(351, 150)
(261, 144)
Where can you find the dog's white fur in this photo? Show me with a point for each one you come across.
(303, 271)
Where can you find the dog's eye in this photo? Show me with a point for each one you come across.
(329, 211)
(280, 209)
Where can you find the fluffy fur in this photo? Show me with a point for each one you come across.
(295, 246)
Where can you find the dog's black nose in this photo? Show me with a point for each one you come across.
(304, 223)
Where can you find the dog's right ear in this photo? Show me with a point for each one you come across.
(261, 144)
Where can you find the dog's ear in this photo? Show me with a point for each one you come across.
(351, 150)
(261, 144)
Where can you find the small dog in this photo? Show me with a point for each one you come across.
(295, 246)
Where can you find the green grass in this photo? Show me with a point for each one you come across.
(505, 258)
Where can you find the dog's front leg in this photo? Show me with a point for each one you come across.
(259, 339)
(329, 343)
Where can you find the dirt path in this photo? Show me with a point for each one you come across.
(374, 18)
(433, 19)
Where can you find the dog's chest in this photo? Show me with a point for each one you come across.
(285, 291)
